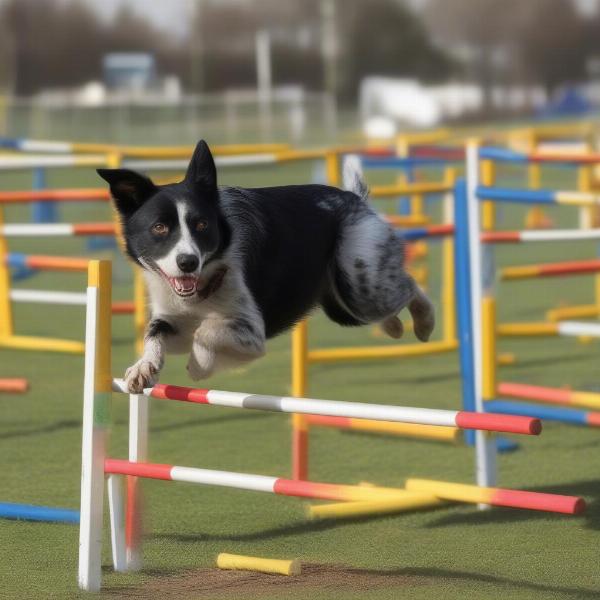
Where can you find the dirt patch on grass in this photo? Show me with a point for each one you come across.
(215, 584)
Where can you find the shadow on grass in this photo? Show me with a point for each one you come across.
(50, 428)
(211, 421)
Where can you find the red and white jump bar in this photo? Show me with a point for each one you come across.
(336, 408)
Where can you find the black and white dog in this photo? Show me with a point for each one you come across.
(227, 267)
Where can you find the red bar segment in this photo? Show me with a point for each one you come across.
(94, 228)
(57, 263)
(124, 307)
(570, 505)
(150, 470)
(570, 267)
(73, 195)
(499, 423)
(14, 385)
(308, 489)
(534, 392)
(500, 237)
(183, 394)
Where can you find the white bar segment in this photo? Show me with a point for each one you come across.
(332, 408)
(33, 161)
(48, 297)
(557, 235)
(92, 462)
(33, 229)
(138, 452)
(485, 445)
(577, 328)
(45, 146)
(258, 483)
(116, 505)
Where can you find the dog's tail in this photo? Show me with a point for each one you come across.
(353, 180)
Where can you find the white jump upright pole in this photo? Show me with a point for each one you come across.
(96, 422)
(485, 445)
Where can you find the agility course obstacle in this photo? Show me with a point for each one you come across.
(237, 562)
(33, 263)
(126, 522)
(483, 304)
(14, 386)
(32, 512)
(303, 356)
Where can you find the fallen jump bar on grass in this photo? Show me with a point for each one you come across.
(460, 492)
(504, 155)
(337, 408)
(557, 269)
(30, 512)
(333, 491)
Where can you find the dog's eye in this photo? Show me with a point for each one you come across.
(160, 229)
(201, 225)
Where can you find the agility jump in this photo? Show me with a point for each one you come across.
(96, 464)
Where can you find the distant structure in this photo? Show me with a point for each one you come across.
(129, 71)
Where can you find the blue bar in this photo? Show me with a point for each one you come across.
(414, 234)
(502, 154)
(499, 194)
(463, 300)
(549, 413)
(29, 512)
(398, 162)
(42, 212)
(10, 143)
(17, 260)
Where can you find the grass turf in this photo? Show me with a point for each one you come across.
(452, 552)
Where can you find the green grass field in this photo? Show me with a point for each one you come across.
(452, 552)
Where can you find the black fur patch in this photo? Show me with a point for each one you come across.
(158, 327)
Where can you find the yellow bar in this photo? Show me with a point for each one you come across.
(100, 276)
(575, 312)
(432, 432)
(448, 292)
(330, 355)
(411, 501)
(408, 189)
(488, 178)
(300, 359)
(459, 492)
(576, 198)
(520, 272)
(516, 329)
(6, 318)
(29, 342)
(407, 220)
(139, 314)
(489, 347)
(295, 155)
(263, 565)
(585, 400)
(507, 358)
(332, 166)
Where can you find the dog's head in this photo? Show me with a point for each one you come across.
(172, 230)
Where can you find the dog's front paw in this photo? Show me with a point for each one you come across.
(201, 363)
(142, 374)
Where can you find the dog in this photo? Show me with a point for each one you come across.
(228, 267)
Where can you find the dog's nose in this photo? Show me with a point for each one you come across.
(187, 262)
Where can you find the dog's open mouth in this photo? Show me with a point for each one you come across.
(184, 286)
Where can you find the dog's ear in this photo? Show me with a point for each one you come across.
(201, 172)
(128, 188)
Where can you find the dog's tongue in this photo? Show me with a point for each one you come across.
(185, 285)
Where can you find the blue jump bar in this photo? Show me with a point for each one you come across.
(397, 162)
(518, 196)
(549, 413)
(502, 155)
(30, 512)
